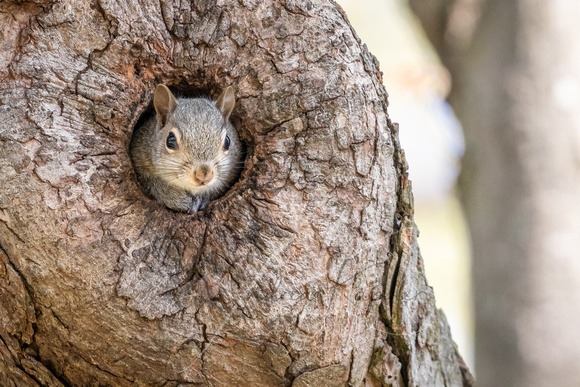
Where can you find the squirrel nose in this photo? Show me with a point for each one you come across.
(203, 175)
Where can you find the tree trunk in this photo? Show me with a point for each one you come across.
(307, 272)
(517, 91)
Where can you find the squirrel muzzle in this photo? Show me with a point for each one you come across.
(203, 175)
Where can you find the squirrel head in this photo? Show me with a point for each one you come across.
(196, 147)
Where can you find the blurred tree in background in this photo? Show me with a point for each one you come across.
(516, 72)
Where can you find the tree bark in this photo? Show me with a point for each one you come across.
(517, 92)
(307, 272)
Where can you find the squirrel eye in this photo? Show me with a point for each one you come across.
(171, 141)
(227, 143)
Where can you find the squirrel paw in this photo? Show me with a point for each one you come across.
(198, 204)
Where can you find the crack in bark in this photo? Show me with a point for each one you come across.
(30, 293)
(399, 220)
(57, 317)
(5, 222)
(104, 370)
(112, 36)
(18, 364)
(18, 50)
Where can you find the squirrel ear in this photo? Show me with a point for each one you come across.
(226, 101)
(164, 102)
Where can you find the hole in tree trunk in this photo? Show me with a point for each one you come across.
(189, 152)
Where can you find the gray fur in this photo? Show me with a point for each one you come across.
(199, 126)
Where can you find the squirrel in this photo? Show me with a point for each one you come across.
(189, 153)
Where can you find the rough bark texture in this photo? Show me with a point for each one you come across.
(306, 273)
(517, 91)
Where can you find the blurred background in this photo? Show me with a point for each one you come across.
(487, 94)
